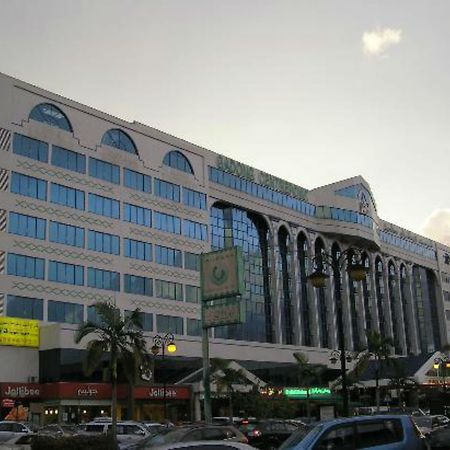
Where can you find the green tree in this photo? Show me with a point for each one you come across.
(226, 378)
(308, 374)
(121, 339)
(380, 348)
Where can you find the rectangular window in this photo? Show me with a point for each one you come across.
(195, 230)
(194, 327)
(65, 273)
(65, 312)
(67, 196)
(137, 181)
(104, 170)
(166, 222)
(145, 318)
(168, 290)
(103, 279)
(137, 214)
(137, 249)
(66, 234)
(30, 148)
(169, 324)
(103, 242)
(169, 256)
(26, 266)
(167, 190)
(68, 159)
(104, 206)
(134, 284)
(28, 226)
(192, 294)
(25, 307)
(92, 316)
(194, 199)
(28, 186)
(192, 261)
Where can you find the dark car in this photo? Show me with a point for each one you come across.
(193, 433)
(268, 434)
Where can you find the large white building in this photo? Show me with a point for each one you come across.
(97, 208)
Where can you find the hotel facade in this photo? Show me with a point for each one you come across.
(94, 208)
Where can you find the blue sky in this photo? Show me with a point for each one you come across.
(311, 91)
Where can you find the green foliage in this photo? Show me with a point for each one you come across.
(308, 374)
(72, 443)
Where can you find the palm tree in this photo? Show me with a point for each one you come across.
(380, 348)
(121, 338)
(307, 374)
(226, 378)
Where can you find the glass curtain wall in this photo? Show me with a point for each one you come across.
(232, 226)
(393, 296)
(302, 251)
(379, 291)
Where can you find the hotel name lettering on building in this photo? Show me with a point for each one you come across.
(265, 179)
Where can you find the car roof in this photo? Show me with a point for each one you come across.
(363, 418)
(195, 444)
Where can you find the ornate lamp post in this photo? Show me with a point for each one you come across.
(161, 344)
(350, 258)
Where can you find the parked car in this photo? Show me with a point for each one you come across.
(206, 445)
(18, 442)
(10, 429)
(193, 433)
(428, 424)
(56, 430)
(382, 432)
(440, 439)
(127, 431)
(268, 434)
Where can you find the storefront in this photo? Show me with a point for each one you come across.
(71, 402)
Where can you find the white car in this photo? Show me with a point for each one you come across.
(19, 442)
(10, 429)
(205, 445)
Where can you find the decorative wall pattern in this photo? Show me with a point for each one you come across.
(32, 247)
(169, 239)
(54, 212)
(175, 208)
(166, 306)
(63, 176)
(74, 293)
(165, 272)
(5, 139)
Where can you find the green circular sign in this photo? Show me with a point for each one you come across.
(219, 275)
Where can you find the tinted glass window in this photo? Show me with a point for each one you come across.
(137, 249)
(338, 438)
(26, 266)
(28, 186)
(66, 196)
(64, 312)
(104, 206)
(65, 273)
(119, 139)
(66, 234)
(137, 181)
(50, 115)
(169, 324)
(167, 190)
(68, 159)
(25, 307)
(103, 242)
(30, 148)
(134, 284)
(169, 256)
(178, 161)
(103, 279)
(26, 226)
(137, 214)
(104, 170)
(371, 434)
(168, 223)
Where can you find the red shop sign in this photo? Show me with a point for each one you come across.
(88, 391)
(157, 393)
(8, 403)
(20, 390)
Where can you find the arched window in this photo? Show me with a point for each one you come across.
(284, 271)
(302, 251)
(319, 250)
(177, 160)
(51, 115)
(119, 139)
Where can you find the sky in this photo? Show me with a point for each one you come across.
(311, 91)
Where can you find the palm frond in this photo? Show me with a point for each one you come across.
(95, 350)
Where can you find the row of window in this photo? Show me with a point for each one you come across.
(60, 272)
(106, 171)
(67, 312)
(61, 233)
(105, 206)
(344, 215)
(256, 190)
(406, 244)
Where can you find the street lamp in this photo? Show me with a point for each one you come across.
(161, 344)
(441, 364)
(352, 259)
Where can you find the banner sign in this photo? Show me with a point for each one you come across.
(19, 332)
(221, 274)
(314, 392)
(227, 312)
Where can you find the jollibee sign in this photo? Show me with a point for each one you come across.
(18, 391)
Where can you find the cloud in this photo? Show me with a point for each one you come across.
(378, 41)
(437, 226)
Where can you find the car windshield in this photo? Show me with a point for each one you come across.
(299, 435)
(160, 438)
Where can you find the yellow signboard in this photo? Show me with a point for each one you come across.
(19, 332)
